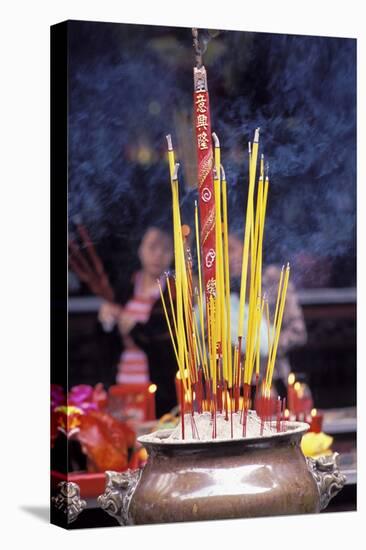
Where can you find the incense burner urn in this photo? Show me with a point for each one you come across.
(210, 480)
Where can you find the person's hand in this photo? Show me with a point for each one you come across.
(125, 323)
(108, 315)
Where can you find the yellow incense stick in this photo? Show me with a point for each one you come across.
(258, 340)
(268, 325)
(276, 310)
(212, 333)
(226, 277)
(235, 365)
(202, 341)
(278, 326)
(181, 282)
(218, 240)
(248, 230)
(220, 318)
(218, 256)
(171, 304)
(180, 366)
(200, 305)
(255, 284)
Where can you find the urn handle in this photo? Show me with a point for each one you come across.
(327, 475)
(118, 493)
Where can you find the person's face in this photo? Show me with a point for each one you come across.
(155, 252)
(235, 255)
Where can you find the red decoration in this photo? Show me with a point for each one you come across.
(135, 402)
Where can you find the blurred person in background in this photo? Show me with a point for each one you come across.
(145, 350)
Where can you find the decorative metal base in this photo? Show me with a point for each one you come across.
(68, 500)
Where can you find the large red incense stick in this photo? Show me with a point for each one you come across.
(206, 193)
(205, 178)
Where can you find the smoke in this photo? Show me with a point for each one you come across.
(307, 118)
(127, 82)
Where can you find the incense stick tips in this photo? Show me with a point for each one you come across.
(256, 135)
(223, 177)
(216, 140)
(169, 140)
(175, 175)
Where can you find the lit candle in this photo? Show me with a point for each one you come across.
(316, 421)
(290, 391)
(151, 414)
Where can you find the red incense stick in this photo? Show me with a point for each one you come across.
(238, 376)
(226, 401)
(278, 420)
(90, 272)
(231, 412)
(182, 405)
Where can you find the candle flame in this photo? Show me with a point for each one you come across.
(313, 412)
(152, 388)
(291, 379)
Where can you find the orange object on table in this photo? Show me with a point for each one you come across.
(106, 441)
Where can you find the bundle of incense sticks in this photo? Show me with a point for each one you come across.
(88, 265)
(214, 375)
